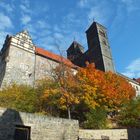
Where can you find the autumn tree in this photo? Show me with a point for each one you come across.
(63, 90)
(103, 88)
(85, 91)
(118, 90)
(99, 89)
(90, 83)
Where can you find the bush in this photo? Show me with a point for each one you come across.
(96, 119)
(18, 97)
(129, 115)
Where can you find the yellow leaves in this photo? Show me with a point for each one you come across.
(103, 88)
(64, 94)
(19, 97)
(89, 86)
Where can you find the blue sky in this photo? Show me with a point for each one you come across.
(54, 23)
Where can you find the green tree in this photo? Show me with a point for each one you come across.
(96, 119)
(49, 94)
(19, 97)
(129, 115)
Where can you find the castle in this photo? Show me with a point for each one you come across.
(23, 62)
(98, 49)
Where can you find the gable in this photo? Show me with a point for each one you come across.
(23, 40)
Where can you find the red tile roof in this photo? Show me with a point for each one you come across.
(138, 80)
(53, 56)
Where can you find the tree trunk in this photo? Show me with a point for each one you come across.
(69, 114)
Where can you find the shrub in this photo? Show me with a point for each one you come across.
(129, 115)
(19, 97)
(96, 118)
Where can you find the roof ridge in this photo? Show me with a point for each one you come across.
(53, 56)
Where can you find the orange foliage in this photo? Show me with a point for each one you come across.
(68, 86)
(63, 90)
(106, 89)
(118, 90)
(90, 87)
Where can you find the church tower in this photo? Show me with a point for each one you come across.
(75, 53)
(98, 47)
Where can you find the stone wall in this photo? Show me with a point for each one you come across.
(44, 67)
(110, 134)
(19, 67)
(20, 64)
(49, 128)
(3, 59)
(42, 127)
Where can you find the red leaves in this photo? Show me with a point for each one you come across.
(107, 88)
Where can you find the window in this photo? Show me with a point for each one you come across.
(24, 38)
(22, 42)
(102, 33)
(19, 54)
(104, 42)
(22, 132)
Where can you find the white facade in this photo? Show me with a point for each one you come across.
(134, 84)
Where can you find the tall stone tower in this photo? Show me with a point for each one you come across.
(98, 47)
(17, 60)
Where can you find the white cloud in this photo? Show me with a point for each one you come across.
(5, 22)
(57, 29)
(42, 24)
(6, 6)
(25, 9)
(46, 42)
(25, 12)
(112, 13)
(99, 11)
(135, 65)
(83, 3)
(25, 19)
(131, 5)
(58, 36)
(26, 3)
(133, 69)
(2, 37)
(97, 15)
(71, 20)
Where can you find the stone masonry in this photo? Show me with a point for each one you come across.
(41, 127)
(110, 134)
(98, 52)
(21, 63)
(16, 125)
